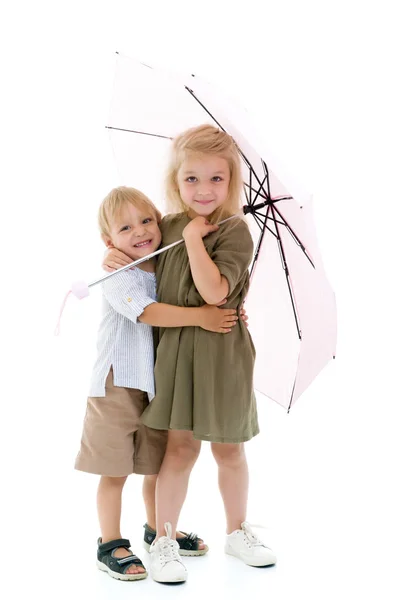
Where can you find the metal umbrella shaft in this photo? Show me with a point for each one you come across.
(141, 260)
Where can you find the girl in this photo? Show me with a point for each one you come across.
(204, 382)
(114, 443)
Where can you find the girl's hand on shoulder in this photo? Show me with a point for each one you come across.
(115, 259)
(198, 227)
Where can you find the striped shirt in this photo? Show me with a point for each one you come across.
(123, 342)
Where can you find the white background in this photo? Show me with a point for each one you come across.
(320, 80)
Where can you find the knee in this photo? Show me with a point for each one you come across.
(113, 482)
(182, 453)
(228, 455)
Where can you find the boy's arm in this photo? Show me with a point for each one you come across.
(212, 318)
(124, 293)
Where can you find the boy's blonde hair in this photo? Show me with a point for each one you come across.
(114, 202)
(206, 140)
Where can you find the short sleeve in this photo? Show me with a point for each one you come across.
(125, 292)
(233, 252)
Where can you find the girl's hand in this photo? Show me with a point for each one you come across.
(218, 320)
(115, 259)
(198, 227)
(244, 316)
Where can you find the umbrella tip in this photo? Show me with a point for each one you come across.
(116, 52)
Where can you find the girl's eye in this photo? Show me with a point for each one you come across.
(148, 220)
(217, 178)
(191, 179)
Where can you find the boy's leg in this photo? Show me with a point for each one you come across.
(233, 480)
(149, 497)
(109, 499)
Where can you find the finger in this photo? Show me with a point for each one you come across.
(222, 330)
(230, 321)
(109, 269)
(115, 265)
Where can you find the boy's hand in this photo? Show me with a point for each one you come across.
(198, 227)
(115, 259)
(218, 320)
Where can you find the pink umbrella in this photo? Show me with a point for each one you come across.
(291, 306)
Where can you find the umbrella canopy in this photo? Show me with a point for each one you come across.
(291, 306)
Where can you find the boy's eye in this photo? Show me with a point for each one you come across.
(125, 228)
(148, 220)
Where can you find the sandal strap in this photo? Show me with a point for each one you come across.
(108, 546)
(189, 542)
(127, 561)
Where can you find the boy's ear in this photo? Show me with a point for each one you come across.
(107, 241)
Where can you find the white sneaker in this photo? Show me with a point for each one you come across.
(166, 565)
(244, 544)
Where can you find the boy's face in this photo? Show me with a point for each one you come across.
(203, 183)
(135, 232)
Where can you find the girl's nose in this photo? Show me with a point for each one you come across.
(203, 190)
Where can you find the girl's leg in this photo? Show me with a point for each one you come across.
(109, 498)
(233, 479)
(172, 483)
(149, 497)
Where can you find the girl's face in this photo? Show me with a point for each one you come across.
(135, 232)
(203, 183)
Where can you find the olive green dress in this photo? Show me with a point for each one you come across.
(204, 380)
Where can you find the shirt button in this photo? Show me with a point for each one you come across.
(129, 299)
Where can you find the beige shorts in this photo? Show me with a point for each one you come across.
(114, 442)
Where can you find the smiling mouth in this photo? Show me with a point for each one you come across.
(204, 201)
(143, 244)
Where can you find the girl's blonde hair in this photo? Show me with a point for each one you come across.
(114, 202)
(205, 140)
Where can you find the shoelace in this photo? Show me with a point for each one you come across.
(251, 536)
(168, 551)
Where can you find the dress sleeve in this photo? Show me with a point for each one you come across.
(233, 252)
(126, 295)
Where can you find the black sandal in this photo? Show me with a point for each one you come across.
(117, 567)
(188, 545)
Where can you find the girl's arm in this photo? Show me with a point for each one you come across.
(211, 285)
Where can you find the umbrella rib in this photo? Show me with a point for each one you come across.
(139, 132)
(286, 269)
(191, 92)
(260, 221)
(206, 109)
(295, 237)
(253, 190)
(260, 241)
(261, 187)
